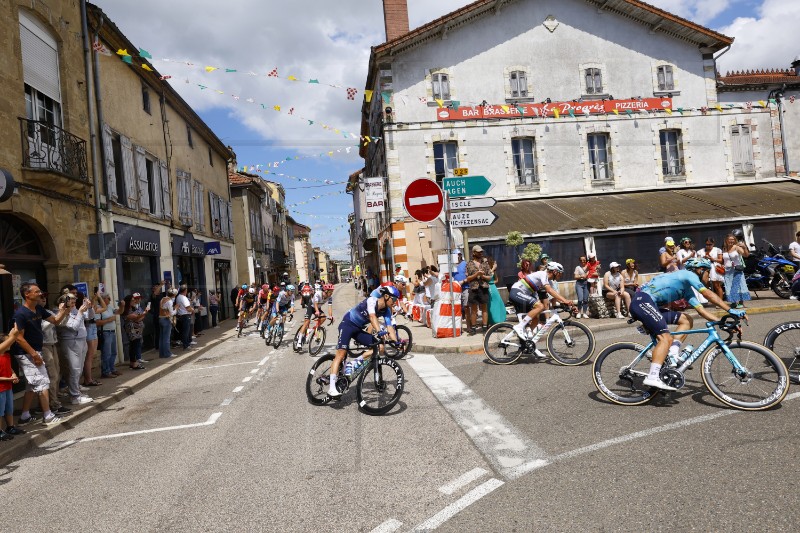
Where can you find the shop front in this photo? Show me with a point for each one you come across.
(188, 258)
(138, 253)
(221, 264)
(23, 259)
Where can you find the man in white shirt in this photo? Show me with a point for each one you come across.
(184, 313)
(794, 249)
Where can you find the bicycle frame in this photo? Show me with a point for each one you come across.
(555, 318)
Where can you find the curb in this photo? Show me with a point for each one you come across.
(12, 450)
(477, 347)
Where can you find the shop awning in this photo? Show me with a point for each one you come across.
(603, 213)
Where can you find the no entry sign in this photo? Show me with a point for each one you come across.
(423, 200)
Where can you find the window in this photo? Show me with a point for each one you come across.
(519, 84)
(441, 86)
(445, 159)
(153, 182)
(198, 205)
(671, 153)
(146, 99)
(594, 81)
(742, 145)
(42, 108)
(666, 81)
(599, 157)
(189, 136)
(524, 161)
(184, 197)
(210, 158)
(119, 172)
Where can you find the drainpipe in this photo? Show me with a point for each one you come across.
(779, 99)
(97, 168)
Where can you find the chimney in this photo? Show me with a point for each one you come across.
(395, 18)
(796, 66)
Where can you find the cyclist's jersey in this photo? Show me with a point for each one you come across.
(359, 315)
(306, 290)
(533, 282)
(318, 298)
(248, 299)
(263, 296)
(673, 286)
(283, 299)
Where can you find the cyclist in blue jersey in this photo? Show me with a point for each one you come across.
(353, 324)
(649, 306)
(282, 303)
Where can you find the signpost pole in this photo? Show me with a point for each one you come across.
(450, 257)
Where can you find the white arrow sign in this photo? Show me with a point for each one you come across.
(463, 219)
(472, 203)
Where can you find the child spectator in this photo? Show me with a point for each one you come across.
(7, 378)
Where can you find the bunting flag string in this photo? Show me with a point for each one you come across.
(331, 230)
(258, 169)
(287, 159)
(312, 215)
(316, 197)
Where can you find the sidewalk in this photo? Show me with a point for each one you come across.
(112, 391)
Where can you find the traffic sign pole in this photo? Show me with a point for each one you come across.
(446, 199)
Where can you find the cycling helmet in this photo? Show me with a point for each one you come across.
(327, 287)
(244, 286)
(265, 287)
(390, 291)
(276, 289)
(400, 279)
(695, 263)
(251, 290)
(283, 283)
(290, 288)
(555, 267)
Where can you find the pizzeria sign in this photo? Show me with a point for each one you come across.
(593, 107)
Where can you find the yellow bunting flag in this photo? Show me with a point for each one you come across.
(122, 52)
(330, 153)
(668, 110)
(147, 67)
(615, 111)
(211, 69)
(440, 102)
(276, 107)
(556, 113)
(367, 95)
(762, 102)
(291, 78)
(719, 108)
(505, 108)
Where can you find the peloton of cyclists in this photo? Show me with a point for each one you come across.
(355, 321)
(314, 309)
(649, 306)
(524, 294)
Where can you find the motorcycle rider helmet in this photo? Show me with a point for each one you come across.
(697, 262)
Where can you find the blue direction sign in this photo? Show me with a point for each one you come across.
(467, 186)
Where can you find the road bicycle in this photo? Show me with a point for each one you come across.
(380, 381)
(244, 316)
(275, 335)
(784, 340)
(314, 335)
(393, 350)
(569, 342)
(740, 374)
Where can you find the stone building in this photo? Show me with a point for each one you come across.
(304, 256)
(249, 196)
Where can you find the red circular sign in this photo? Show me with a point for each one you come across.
(423, 200)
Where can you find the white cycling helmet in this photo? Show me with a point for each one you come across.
(555, 267)
(251, 290)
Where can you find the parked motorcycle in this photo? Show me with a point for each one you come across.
(765, 270)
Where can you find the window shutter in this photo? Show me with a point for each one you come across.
(111, 174)
(230, 221)
(662, 82)
(165, 196)
(141, 178)
(39, 58)
(131, 187)
(445, 87)
(523, 84)
(223, 217)
(514, 85)
(201, 208)
(158, 202)
(212, 202)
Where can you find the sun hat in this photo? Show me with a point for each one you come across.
(613, 264)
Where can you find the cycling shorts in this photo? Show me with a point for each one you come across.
(348, 330)
(280, 309)
(523, 300)
(309, 311)
(654, 320)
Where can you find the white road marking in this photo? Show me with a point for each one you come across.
(504, 446)
(462, 481)
(217, 366)
(238, 389)
(263, 361)
(254, 371)
(248, 378)
(388, 526)
(423, 200)
(210, 422)
(459, 505)
(226, 401)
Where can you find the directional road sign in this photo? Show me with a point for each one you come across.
(472, 203)
(467, 219)
(423, 200)
(467, 186)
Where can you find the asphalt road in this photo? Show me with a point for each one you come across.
(471, 447)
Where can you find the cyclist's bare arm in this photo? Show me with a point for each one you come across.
(552, 292)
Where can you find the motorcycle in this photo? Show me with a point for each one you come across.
(765, 270)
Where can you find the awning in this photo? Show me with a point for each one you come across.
(603, 213)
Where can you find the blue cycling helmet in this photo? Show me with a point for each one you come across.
(390, 291)
(244, 286)
(695, 263)
(290, 288)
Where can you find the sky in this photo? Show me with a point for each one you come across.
(330, 41)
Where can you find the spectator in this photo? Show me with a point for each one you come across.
(686, 252)
(593, 274)
(614, 288)
(669, 257)
(419, 287)
(7, 379)
(733, 255)
(166, 312)
(72, 341)
(582, 287)
(543, 264)
(431, 291)
(199, 311)
(107, 324)
(213, 307)
(664, 248)
(133, 321)
(156, 294)
(184, 313)
(497, 309)
(794, 250)
(96, 307)
(630, 276)
(51, 362)
(717, 274)
(478, 275)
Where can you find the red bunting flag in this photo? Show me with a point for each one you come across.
(273, 73)
(351, 93)
(791, 99)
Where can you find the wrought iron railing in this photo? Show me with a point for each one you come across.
(48, 147)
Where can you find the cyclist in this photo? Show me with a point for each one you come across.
(649, 306)
(247, 304)
(263, 303)
(282, 303)
(524, 293)
(241, 292)
(306, 293)
(314, 309)
(353, 324)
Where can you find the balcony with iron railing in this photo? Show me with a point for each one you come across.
(49, 148)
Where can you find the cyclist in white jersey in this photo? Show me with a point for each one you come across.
(314, 308)
(523, 293)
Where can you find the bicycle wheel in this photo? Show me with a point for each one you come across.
(318, 380)
(618, 373)
(398, 352)
(277, 336)
(784, 340)
(380, 386)
(316, 342)
(764, 384)
(239, 329)
(501, 344)
(575, 351)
